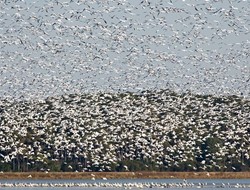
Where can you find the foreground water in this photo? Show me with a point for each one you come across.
(125, 184)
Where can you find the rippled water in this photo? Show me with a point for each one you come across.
(175, 183)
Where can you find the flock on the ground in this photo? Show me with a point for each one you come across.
(150, 130)
(128, 185)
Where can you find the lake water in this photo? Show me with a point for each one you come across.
(126, 184)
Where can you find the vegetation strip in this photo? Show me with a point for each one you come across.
(125, 175)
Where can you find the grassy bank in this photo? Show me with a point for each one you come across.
(120, 175)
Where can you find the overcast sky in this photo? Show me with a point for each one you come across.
(55, 47)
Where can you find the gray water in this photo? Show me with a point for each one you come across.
(98, 184)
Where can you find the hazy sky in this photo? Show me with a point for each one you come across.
(57, 47)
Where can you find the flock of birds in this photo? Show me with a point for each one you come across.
(108, 185)
(162, 130)
(57, 47)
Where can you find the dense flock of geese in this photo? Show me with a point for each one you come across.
(97, 131)
(71, 46)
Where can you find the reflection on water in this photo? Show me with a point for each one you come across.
(126, 184)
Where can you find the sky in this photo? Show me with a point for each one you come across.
(58, 47)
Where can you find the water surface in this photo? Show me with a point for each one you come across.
(128, 184)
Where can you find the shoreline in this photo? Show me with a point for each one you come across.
(125, 175)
